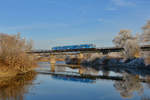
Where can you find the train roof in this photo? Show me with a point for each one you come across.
(74, 45)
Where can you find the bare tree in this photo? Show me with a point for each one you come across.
(131, 48)
(145, 36)
(121, 38)
(13, 52)
(145, 40)
(130, 44)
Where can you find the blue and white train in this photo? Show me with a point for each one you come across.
(82, 46)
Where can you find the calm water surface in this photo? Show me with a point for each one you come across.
(65, 83)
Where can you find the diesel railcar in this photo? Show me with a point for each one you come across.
(82, 46)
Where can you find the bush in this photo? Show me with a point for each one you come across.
(13, 54)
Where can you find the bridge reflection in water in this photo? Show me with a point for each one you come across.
(77, 71)
(125, 83)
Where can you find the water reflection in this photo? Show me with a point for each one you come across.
(66, 74)
(15, 88)
(53, 67)
(148, 81)
(56, 82)
(130, 84)
(145, 98)
(88, 71)
(73, 79)
(78, 70)
(129, 81)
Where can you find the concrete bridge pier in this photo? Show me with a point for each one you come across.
(52, 59)
(80, 56)
(52, 62)
(52, 66)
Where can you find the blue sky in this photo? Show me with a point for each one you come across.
(63, 22)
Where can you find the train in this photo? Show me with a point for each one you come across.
(82, 46)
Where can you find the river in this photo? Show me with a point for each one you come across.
(75, 83)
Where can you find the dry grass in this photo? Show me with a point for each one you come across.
(13, 54)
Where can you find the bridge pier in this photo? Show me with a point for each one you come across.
(80, 56)
(105, 52)
(52, 62)
(52, 59)
(52, 67)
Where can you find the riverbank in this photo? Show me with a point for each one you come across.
(6, 71)
(132, 65)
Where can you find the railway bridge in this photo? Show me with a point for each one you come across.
(79, 52)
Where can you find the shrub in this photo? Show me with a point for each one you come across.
(13, 50)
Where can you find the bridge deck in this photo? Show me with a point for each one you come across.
(87, 50)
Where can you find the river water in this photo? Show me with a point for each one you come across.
(75, 83)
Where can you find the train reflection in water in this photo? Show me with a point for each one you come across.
(128, 83)
(74, 79)
(125, 83)
(69, 71)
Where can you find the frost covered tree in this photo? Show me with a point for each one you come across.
(130, 44)
(145, 36)
(145, 40)
(131, 48)
(122, 37)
